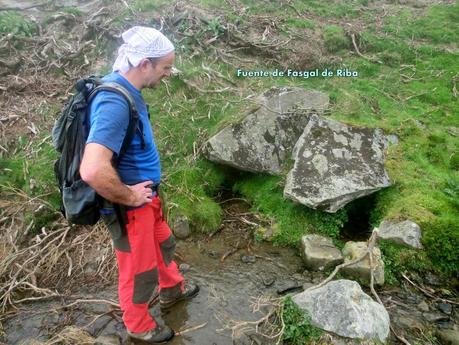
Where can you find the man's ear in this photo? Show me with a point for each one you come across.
(144, 63)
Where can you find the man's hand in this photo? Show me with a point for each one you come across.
(141, 193)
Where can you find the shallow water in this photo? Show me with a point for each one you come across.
(227, 289)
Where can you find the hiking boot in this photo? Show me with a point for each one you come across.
(157, 335)
(168, 297)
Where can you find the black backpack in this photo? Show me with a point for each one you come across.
(80, 203)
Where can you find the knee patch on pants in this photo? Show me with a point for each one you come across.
(167, 249)
(145, 284)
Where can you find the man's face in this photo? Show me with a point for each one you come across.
(159, 69)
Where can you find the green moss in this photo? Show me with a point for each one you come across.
(294, 220)
(400, 259)
(298, 328)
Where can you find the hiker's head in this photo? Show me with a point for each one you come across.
(146, 56)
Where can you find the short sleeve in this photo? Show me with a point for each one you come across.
(109, 120)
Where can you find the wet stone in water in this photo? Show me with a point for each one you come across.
(445, 308)
(248, 259)
(184, 268)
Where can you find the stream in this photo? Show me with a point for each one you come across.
(230, 281)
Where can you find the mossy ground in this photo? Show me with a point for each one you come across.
(408, 94)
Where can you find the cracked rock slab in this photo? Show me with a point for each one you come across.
(264, 139)
(336, 163)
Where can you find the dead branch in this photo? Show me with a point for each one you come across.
(360, 54)
(428, 294)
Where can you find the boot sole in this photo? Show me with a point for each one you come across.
(167, 305)
(141, 341)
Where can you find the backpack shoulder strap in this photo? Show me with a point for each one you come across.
(133, 113)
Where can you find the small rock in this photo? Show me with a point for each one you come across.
(406, 321)
(184, 268)
(213, 254)
(288, 286)
(341, 307)
(307, 285)
(448, 336)
(108, 340)
(445, 308)
(444, 324)
(317, 277)
(361, 270)
(268, 280)
(406, 233)
(248, 259)
(432, 279)
(319, 252)
(434, 317)
(181, 227)
(392, 139)
(423, 306)
(454, 131)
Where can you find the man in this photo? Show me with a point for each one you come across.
(144, 251)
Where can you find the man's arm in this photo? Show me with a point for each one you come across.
(97, 171)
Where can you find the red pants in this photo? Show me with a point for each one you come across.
(144, 258)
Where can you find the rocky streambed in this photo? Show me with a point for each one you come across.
(235, 274)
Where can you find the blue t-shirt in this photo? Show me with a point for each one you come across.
(109, 119)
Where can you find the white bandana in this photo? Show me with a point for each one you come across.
(141, 42)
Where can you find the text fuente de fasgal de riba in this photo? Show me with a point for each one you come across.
(297, 74)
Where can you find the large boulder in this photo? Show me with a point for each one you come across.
(343, 308)
(264, 139)
(406, 233)
(362, 269)
(335, 164)
(319, 252)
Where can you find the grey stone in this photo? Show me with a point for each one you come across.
(248, 259)
(435, 317)
(445, 308)
(319, 252)
(423, 306)
(361, 270)
(392, 139)
(288, 286)
(181, 227)
(407, 322)
(335, 164)
(184, 268)
(263, 140)
(406, 233)
(343, 308)
(448, 336)
(108, 340)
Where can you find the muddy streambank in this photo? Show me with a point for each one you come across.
(234, 272)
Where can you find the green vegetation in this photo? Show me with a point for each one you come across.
(294, 220)
(398, 259)
(73, 10)
(298, 328)
(335, 38)
(149, 5)
(12, 22)
(405, 87)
